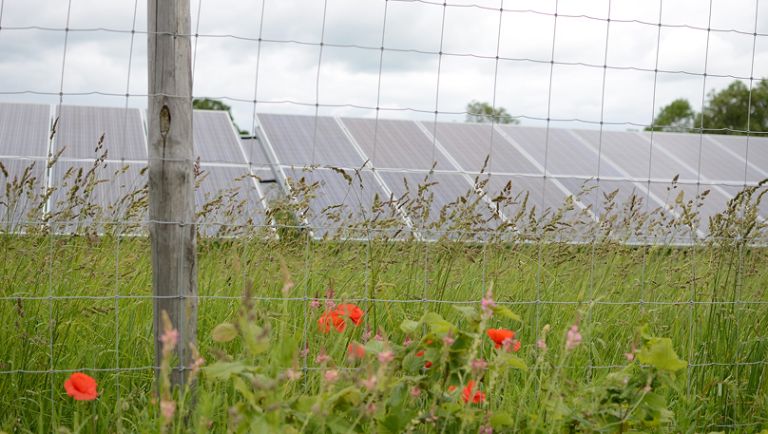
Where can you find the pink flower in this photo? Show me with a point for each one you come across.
(572, 338)
(415, 391)
(448, 340)
(370, 383)
(292, 374)
(486, 429)
(479, 365)
(322, 358)
(408, 341)
(169, 338)
(541, 344)
(167, 409)
(487, 304)
(331, 375)
(511, 345)
(314, 304)
(630, 356)
(386, 357)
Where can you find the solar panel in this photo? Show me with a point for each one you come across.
(434, 200)
(716, 163)
(21, 186)
(254, 152)
(565, 154)
(752, 152)
(215, 139)
(86, 193)
(80, 128)
(24, 129)
(396, 144)
(336, 199)
(470, 144)
(226, 197)
(307, 140)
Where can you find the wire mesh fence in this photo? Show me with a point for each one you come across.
(405, 224)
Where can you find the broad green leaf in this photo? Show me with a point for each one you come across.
(224, 332)
(374, 346)
(408, 326)
(436, 323)
(505, 312)
(500, 419)
(223, 370)
(513, 361)
(659, 353)
(469, 312)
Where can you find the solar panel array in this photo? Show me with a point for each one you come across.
(541, 168)
(355, 172)
(99, 173)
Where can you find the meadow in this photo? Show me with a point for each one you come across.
(82, 303)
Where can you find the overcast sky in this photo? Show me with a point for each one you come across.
(31, 59)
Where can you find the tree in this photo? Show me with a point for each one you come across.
(678, 116)
(483, 112)
(730, 108)
(214, 104)
(725, 111)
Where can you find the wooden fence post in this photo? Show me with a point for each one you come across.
(171, 176)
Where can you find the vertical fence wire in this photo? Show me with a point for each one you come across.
(694, 234)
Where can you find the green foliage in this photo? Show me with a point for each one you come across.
(214, 104)
(484, 112)
(732, 110)
(678, 116)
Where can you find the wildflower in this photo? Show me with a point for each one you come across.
(167, 409)
(467, 395)
(479, 365)
(355, 351)
(379, 336)
(305, 352)
(427, 364)
(370, 383)
(541, 344)
(451, 388)
(292, 374)
(315, 304)
(386, 357)
(408, 341)
(331, 375)
(331, 318)
(169, 338)
(370, 408)
(511, 345)
(415, 391)
(448, 340)
(196, 365)
(352, 311)
(322, 358)
(631, 354)
(498, 336)
(366, 334)
(486, 429)
(572, 338)
(487, 304)
(336, 317)
(420, 353)
(81, 387)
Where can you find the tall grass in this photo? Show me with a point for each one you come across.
(75, 287)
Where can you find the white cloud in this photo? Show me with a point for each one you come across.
(225, 66)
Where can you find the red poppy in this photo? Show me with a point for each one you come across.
(420, 353)
(498, 336)
(331, 318)
(81, 387)
(355, 351)
(428, 364)
(352, 311)
(467, 394)
(451, 388)
(336, 316)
